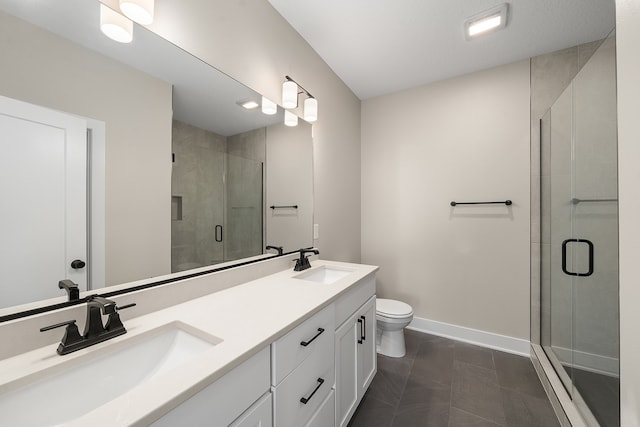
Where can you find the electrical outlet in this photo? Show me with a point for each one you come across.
(315, 231)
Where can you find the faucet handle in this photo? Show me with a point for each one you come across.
(71, 336)
(113, 322)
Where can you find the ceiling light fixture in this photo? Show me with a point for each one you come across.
(290, 94)
(140, 11)
(249, 105)
(269, 107)
(290, 119)
(486, 22)
(115, 26)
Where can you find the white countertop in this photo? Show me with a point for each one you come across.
(246, 317)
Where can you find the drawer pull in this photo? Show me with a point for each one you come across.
(307, 399)
(306, 343)
(364, 328)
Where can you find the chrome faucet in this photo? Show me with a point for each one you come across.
(303, 263)
(94, 331)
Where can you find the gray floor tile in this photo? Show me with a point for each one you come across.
(476, 390)
(372, 413)
(423, 416)
(434, 361)
(459, 418)
(444, 383)
(524, 410)
(517, 373)
(421, 392)
(473, 354)
(389, 382)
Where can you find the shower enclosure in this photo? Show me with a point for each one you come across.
(217, 197)
(579, 319)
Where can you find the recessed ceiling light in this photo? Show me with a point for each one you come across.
(486, 22)
(249, 105)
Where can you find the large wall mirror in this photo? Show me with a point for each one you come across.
(125, 162)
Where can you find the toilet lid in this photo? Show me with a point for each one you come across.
(392, 308)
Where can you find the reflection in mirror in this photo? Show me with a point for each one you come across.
(132, 161)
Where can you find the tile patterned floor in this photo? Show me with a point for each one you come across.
(445, 383)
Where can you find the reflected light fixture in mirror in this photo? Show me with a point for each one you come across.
(290, 119)
(269, 107)
(140, 11)
(486, 22)
(115, 26)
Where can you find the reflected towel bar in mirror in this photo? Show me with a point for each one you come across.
(284, 207)
(575, 200)
(506, 202)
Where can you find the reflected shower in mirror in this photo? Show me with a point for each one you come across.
(139, 159)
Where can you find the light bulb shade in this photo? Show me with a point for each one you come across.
(290, 119)
(268, 106)
(289, 94)
(115, 26)
(140, 11)
(311, 109)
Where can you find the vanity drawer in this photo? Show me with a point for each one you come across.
(288, 352)
(313, 380)
(326, 414)
(351, 301)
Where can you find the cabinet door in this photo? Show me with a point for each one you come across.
(367, 361)
(258, 415)
(346, 370)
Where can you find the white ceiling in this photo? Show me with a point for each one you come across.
(383, 46)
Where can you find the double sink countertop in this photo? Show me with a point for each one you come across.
(239, 322)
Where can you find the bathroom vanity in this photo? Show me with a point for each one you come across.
(286, 349)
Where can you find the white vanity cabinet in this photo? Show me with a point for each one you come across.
(303, 371)
(355, 346)
(230, 397)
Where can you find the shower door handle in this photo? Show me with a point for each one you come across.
(218, 233)
(564, 257)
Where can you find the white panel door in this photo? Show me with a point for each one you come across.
(43, 189)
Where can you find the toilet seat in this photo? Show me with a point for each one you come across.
(393, 309)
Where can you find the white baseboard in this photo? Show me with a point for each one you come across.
(588, 361)
(472, 336)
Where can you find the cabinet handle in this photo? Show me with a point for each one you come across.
(218, 235)
(361, 338)
(306, 343)
(307, 399)
(364, 328)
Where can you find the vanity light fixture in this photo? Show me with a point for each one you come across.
(290, 119)
(486, 22)
(269, 107)
(289, 94)
(115, 26)
(140, 11)
(290, 91)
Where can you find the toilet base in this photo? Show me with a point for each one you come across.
(390, 343)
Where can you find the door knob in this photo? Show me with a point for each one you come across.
(77, 264)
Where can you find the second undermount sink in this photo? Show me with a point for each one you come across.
(324, 274)
(75, 387)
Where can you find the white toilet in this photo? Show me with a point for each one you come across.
(391, 317)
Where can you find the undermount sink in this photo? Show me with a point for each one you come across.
(324, 274)
(75, 387)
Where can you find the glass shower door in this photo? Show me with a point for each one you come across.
(592, 261)
(579, 248)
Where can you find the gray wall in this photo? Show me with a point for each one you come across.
(628, 70)
(464, 139)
